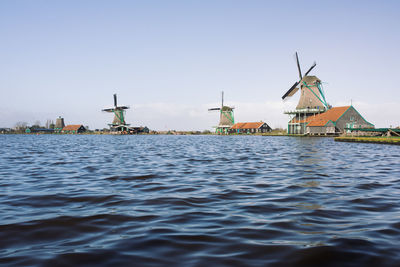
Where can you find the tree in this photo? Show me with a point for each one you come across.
(49, 123)
(36, 124)
(21, 126)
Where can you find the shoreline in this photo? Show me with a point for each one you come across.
(371, 140)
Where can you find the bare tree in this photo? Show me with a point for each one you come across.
(36, 124)
(49, 123)
(21, 126)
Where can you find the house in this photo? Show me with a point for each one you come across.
(250, 127)
(73, 129)
(336, 120)
(136, 130)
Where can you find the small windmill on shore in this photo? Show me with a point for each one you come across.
(226, 118)
(118, 123)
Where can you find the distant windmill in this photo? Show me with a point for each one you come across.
(312, 95)
(226, 118)
(118, 123)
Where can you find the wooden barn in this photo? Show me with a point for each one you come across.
(335, 121)
(250, 127)
(73, 129)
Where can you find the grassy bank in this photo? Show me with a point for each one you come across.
(376, 140)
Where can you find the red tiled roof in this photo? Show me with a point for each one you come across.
(73, 127)
(247, 125)
(331, 115)
(308, 119)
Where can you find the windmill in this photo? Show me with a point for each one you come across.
(312, 95)
(118, 123)
(312, 100)
(226, 118)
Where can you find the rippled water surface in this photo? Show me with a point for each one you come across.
(197, 200)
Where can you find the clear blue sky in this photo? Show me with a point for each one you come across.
(169, 60)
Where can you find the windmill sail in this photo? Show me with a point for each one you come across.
(310, 97)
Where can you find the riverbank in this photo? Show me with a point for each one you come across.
(375, 140)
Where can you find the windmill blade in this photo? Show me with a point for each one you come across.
(298, 66)
(108, 109)
(291, 91)
(315, 64)
(115, 100)
(222, 99)
(210, 109)
(122, 107)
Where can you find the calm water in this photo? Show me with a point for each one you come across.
(197, 200)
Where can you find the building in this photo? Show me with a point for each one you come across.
(5, 130)
(73, 129)
(299, 119)
(250, 127)
(59, 124)
(136, 130)
(118, 125)
(335, 121)
(312, 100)
(226, 118)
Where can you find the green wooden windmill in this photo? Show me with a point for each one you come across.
(312, 100)
(118, 123)
(226, 118)
(312, 96)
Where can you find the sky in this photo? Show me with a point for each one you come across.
(170, 60)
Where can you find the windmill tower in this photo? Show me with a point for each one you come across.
(312, 100)
(118, 123)
(59, 124)
(226, 118)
